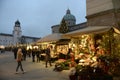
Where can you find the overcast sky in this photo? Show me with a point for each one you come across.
(37, 16)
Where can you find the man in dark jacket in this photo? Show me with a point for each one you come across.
(15, 49)
(48, 56)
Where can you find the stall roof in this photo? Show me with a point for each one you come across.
(88, 30)
(51, 38)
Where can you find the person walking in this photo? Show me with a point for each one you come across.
(19, 60)
(24, 53)
(48, 56)
(33, 54)
(15, 49)
(38, 55)
(72, 58)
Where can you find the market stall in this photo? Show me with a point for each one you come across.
(91, 36)
(57, 41)
(96, 42)
(51, 38)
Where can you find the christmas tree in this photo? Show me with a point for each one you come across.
(63, 27)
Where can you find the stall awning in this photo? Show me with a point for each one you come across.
(88, 30)
(63, 42)
(51, 38)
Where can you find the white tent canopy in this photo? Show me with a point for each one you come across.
(88, 30)
(51, 38)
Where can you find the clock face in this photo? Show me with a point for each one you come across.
(17, 33)
(17, 25)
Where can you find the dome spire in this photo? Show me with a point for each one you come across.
(68, 11)
(17, 22)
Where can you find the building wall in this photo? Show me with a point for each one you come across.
(30, 39)
(101, 19)
(103, 12)
(96, 6)
(6, 40)
(77, 26)
(116, 4)
(55, 28)
(118, 16)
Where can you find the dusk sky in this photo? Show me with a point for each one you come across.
(37, 16)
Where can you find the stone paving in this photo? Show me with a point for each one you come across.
(34, 70)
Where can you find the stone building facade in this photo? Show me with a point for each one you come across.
(103, 13)
(16, 37)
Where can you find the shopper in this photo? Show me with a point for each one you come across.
(24, 51)
(19, 60)
(38, 55)
(72, 58)
(48, 56)
(15, 52)
(68, 53)
(33, 54)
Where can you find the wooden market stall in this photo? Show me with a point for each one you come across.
(57, 41)
(96, 42)
(93, 37)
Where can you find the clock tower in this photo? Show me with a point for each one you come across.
(17, 33)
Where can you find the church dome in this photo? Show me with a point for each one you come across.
(69, 16)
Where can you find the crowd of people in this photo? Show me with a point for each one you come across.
(35, 55)
(20, 54)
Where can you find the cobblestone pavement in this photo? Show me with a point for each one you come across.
(34, 71)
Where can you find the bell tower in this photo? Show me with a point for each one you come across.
(17, 33)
